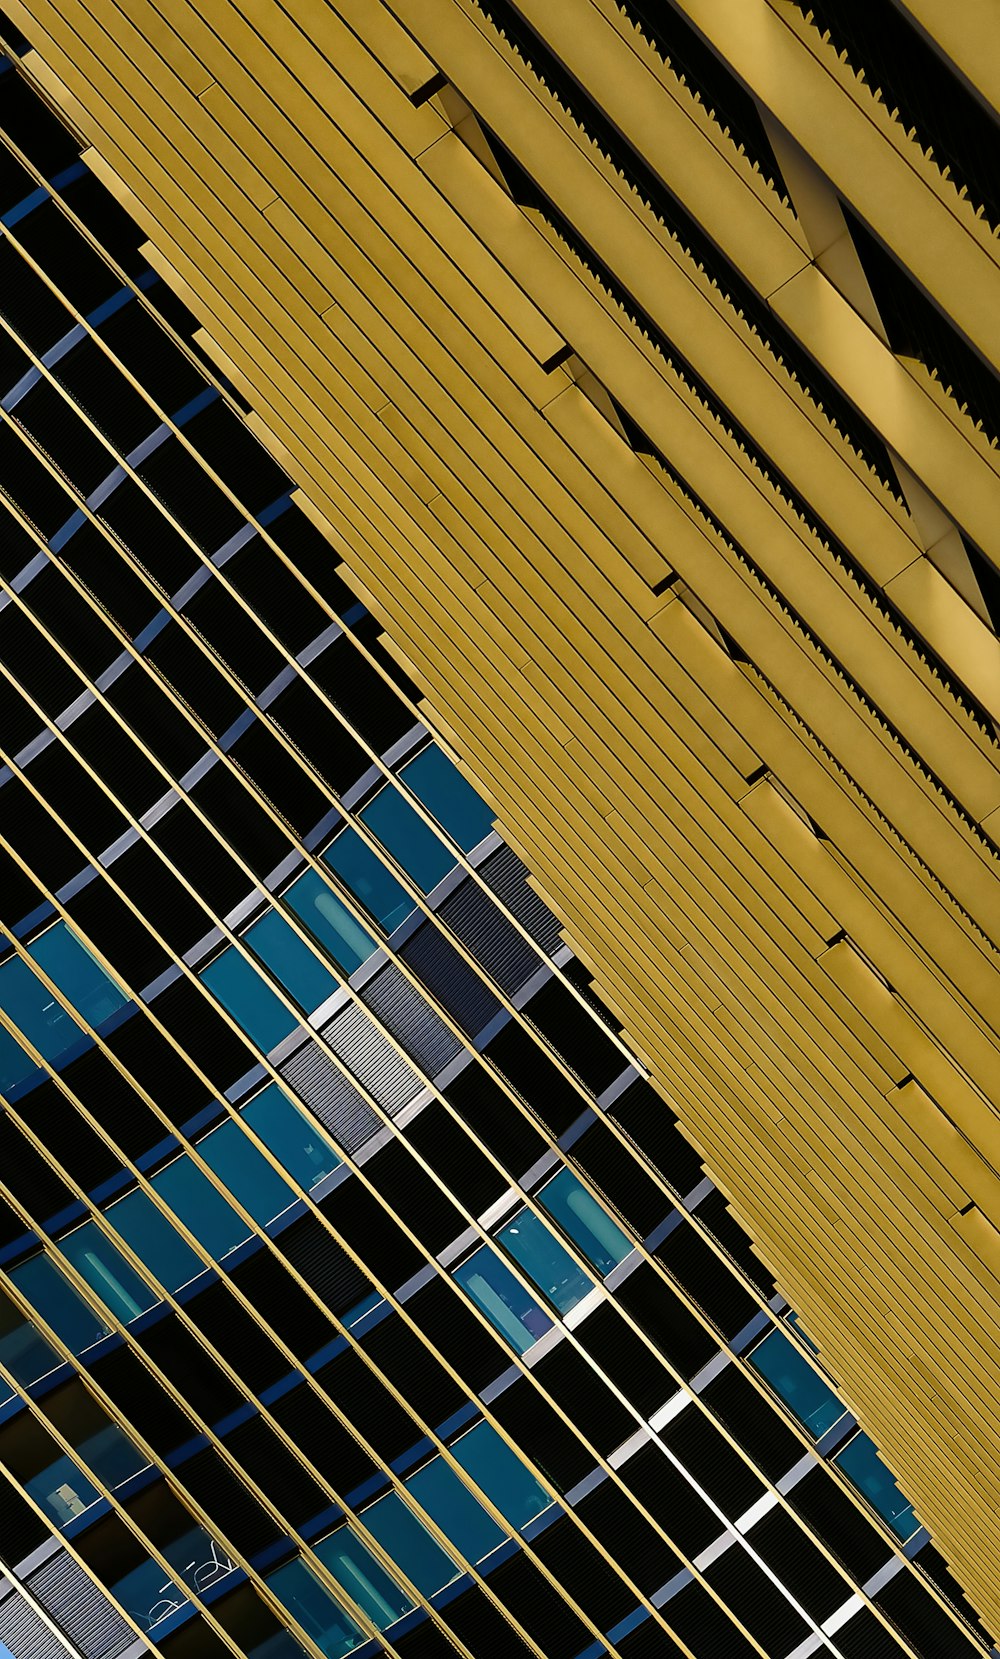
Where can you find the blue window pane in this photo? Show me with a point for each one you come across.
(291, 961)
(111, 1455)
(80, 978)
(865, 1470)
(445, 793)
(62, 1490)
(793, 1378)
(252, 1003)
(581, 1216)
(369, 880)
(407, 838)
(502, 1299)
(246, 1172)
(23, 1350)
(460, 1516)
(330, 921)
(291, 1136)
(148, 1594)
(154, 1240)
(191, 1195)
(40, 1281)
(501, 1474)
(36, 1012)
(15, 1063)
(334, 1631)
(105, 1269)
(366, 1582)
(409, 1544)
(545, 1261)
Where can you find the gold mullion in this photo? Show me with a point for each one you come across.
(350, 1163)
(399, 1307)
(105, 1491)
(83, 1290)
(414, 802)
(311, 771)
(658, 1267)
(169, 1300)
(530, 1204)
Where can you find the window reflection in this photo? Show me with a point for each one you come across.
(440, 786)
(492, 1464)
(504, 1301)
(72, 1319)
(409, 1543)
(291, 961)
(155, 1241)
(38, 1014)
(311, 1604)
(415, 847)
(107, 1272)
(24, 1352)
(369, 880)
(291, 1136)
(202, 1208)
(330, 921)
(865, 1470)
(248, 997)
(254, 1182)
(599, 1237)
(545, 1260)
(791, 1376)
(367, 1583)
(460, 1516)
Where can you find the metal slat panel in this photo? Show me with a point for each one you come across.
(23, 1632)
(76, 1603)
(374, 1063)
(491, 938)
(412, 1020)
(337, 1104)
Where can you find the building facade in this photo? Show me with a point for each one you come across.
(361, 1291)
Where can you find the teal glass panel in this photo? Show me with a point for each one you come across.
(865, 1470)
(111, 1455)
(291, 1136)
(445, 793)
(148, 1594)
(330, 922)
(366, 1582)
(333, 1630)
(791, 1376)
(291, 961)
(408, 838)
(501, 1474)
(506, 1304)
(155, 1241)
(62, 1490)
(460, 1516)
(15, 1063)
(545, 1261)
(36, 1012)
(409, 1543)
(252, 1003)
(23, 1350)
(105, 1269)
(58, 1303)
(80, 978)
(589, 1226)
(254, 1182)
(364, 873)
(192, 1197)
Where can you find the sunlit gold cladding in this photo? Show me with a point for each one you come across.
(767, 813)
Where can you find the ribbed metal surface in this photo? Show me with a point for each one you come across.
(505, 873)
(438, 965)
(25, 1634)
(411, 1019)
(335, 1101)
(78, 1606)
(372, 1059)
(491, 938)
